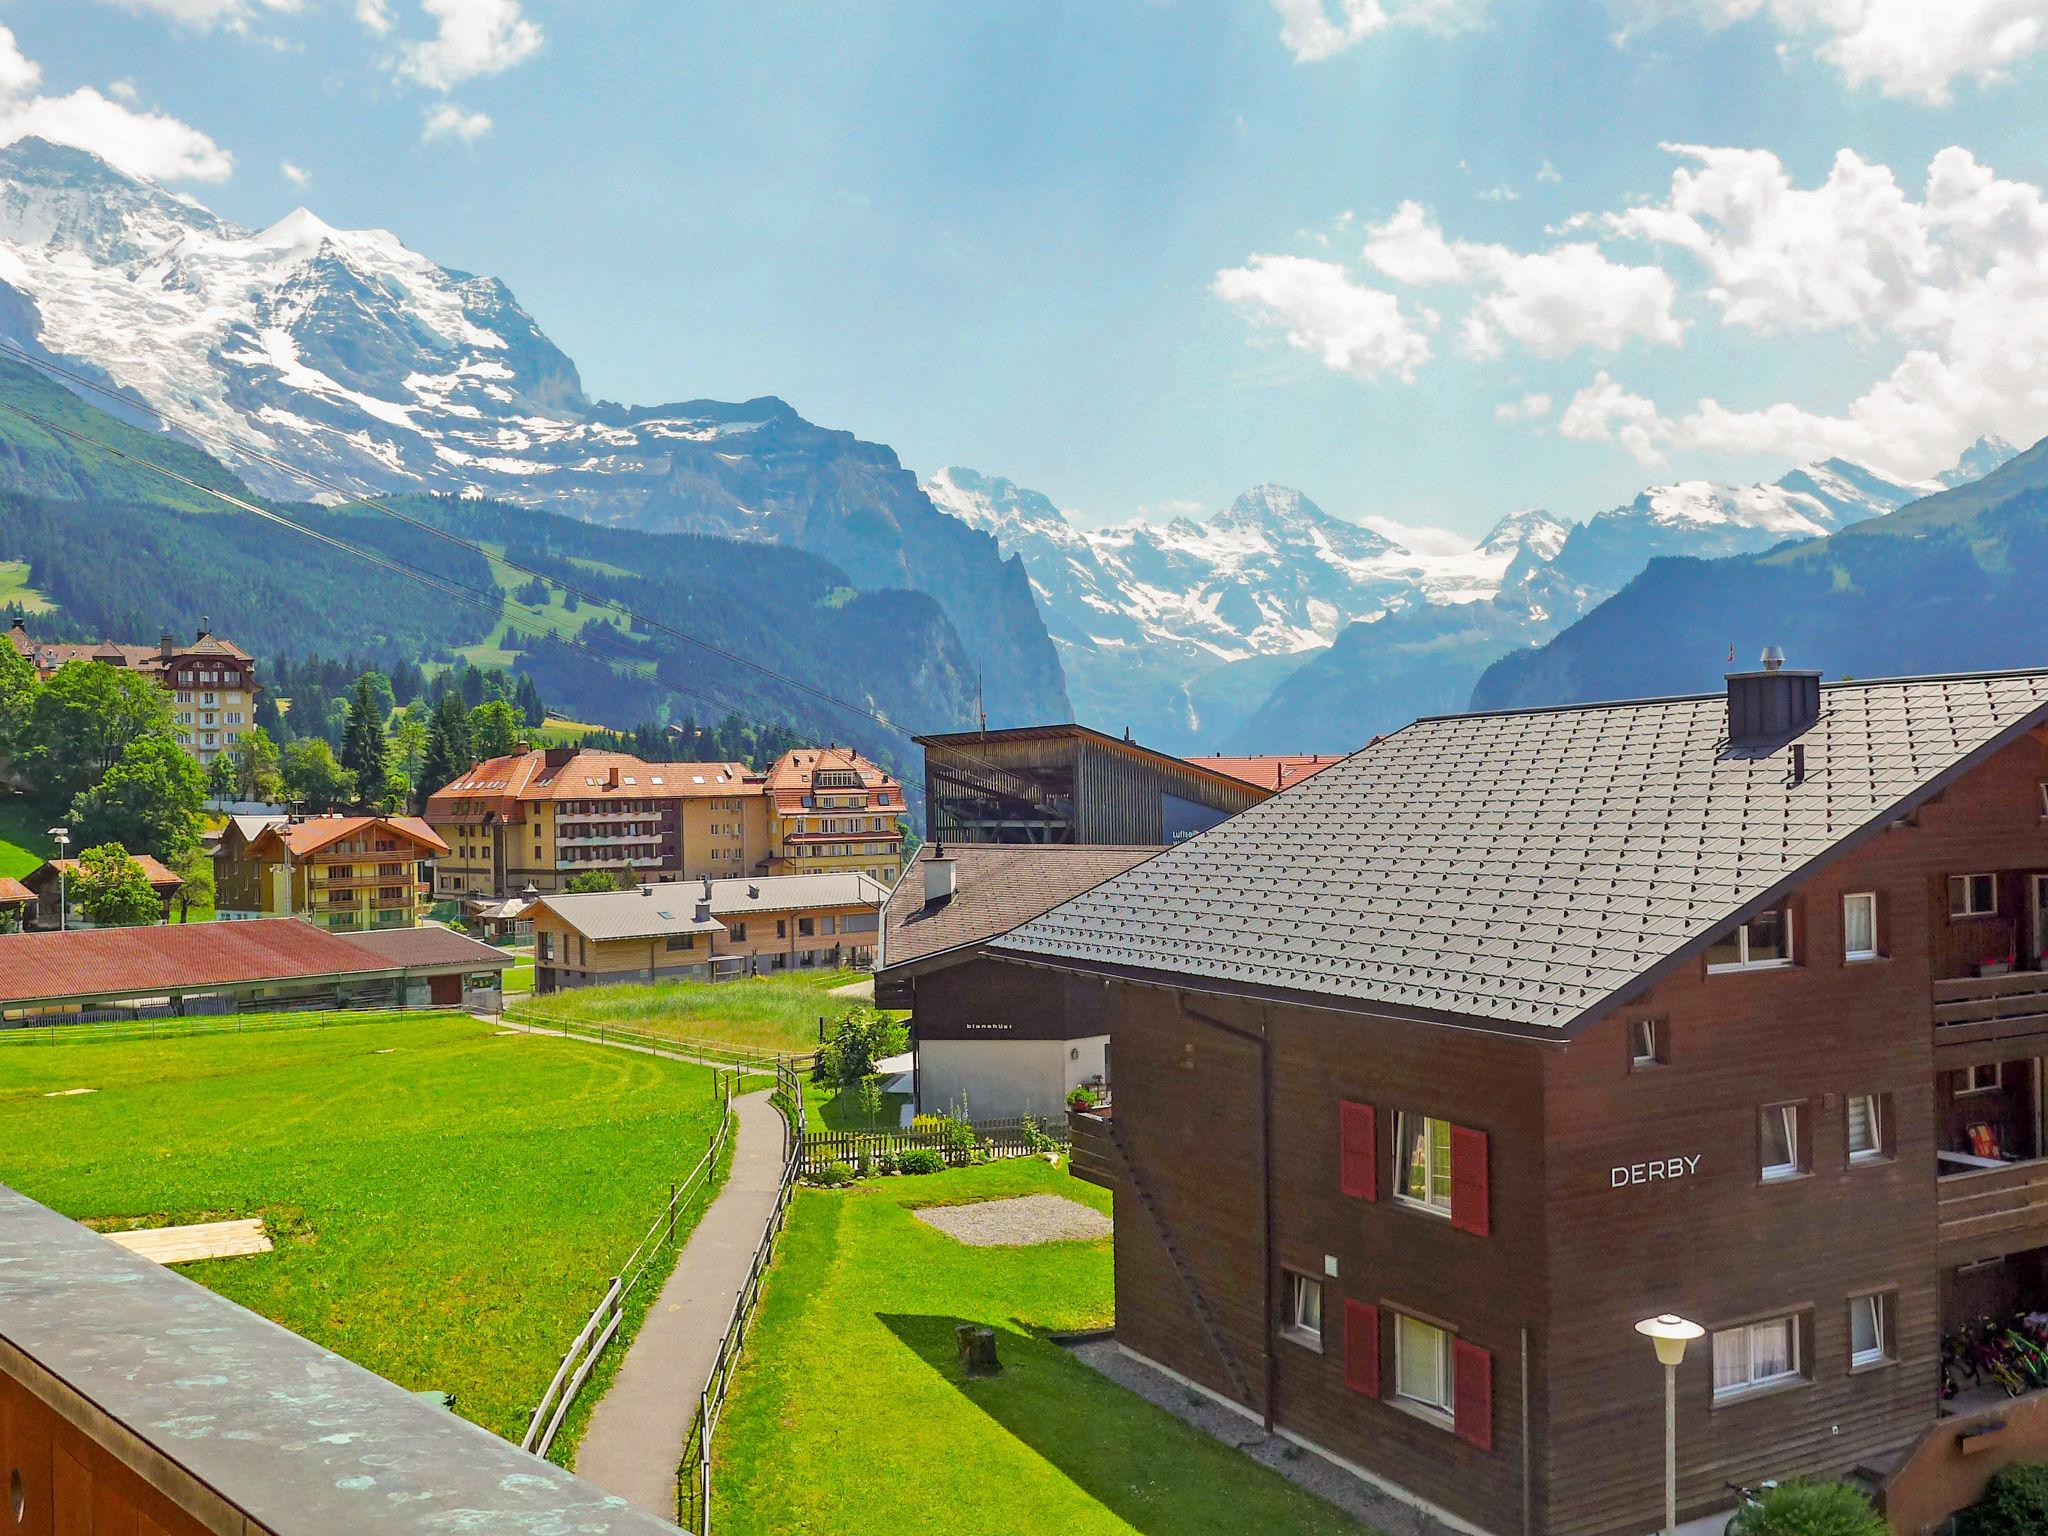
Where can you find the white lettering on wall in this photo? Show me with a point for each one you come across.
(1656, 1170)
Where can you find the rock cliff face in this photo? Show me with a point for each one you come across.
(343, 353)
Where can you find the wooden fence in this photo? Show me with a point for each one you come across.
(720, 1052)
(693, 1473)
(603, 1323)
(1018, 1136)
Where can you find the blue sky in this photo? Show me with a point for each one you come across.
(1424, 261)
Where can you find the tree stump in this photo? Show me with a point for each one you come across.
(977, 1350)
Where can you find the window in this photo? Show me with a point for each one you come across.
(1422, 1365)
(1780, 1155)
(1982, 1078)
(677, 941)
(1645, 1043)
(1755, 1356)
(1859, 926)
(1972, 895)
(1761, 943)
(1866, 1128)
(805, 927)
(1425, 1146)
(1870, 1331)
(1304, 1310)
(739, 933)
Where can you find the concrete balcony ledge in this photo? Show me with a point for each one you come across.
(175, 1402)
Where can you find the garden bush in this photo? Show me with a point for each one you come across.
(2016, 1503)
(1809, 1509)
(832, 1175)
(920, 1160)
(864, 1037)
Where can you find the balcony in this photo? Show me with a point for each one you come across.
(1986, 1213)
(1092, 1151)
(1973, 1014)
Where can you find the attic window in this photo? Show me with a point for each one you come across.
(654, 778)
(631, 780)
(1763, 943)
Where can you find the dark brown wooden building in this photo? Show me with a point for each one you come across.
(1439, 1071)
(1070, 784)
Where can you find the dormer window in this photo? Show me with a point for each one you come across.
(1761, 944)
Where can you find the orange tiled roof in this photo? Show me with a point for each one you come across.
(1276, 771)
(318, 832)
(12, 891)
(796, 769)
(522, 777)
(160, 874)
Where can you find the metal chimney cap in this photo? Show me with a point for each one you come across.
(1773, 658)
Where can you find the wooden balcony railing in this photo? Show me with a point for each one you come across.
(1972, 1009)
(1092, 1155)
(1991, 1212)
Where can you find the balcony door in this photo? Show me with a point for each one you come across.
(2037, 909)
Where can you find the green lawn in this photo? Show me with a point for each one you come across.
(850, 1416)
(16, 592)
(829, 1107)
(519, 978)
(448, 1204)
(760, 1013)
(24, 827)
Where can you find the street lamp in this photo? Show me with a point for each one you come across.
(1670, 1334)
(61, 836)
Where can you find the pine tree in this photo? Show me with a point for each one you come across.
(363, 748)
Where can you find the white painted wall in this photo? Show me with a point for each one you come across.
(995, 1079)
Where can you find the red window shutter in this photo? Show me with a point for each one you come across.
(1468, 1180)
(1357, 1154)
(1472, 1393)
(1361, 1347)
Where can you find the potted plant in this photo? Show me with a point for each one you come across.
(1082, 1099)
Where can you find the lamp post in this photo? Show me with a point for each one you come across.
(1670, 1334)
(61, 836)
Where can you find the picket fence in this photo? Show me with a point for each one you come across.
(1011, 1137)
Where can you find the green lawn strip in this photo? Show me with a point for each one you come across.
(830, 1107)
(849, 1414)
(519, 978)
(448, 1204)
(757, 1013)
(25, 822)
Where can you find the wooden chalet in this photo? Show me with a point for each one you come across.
(1439, 1071)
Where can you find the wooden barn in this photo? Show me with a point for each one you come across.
(1439, 1071)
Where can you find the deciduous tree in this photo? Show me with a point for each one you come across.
(312, 775)
(494, 728)
(149, 801)
(111, 889)
(83, 719)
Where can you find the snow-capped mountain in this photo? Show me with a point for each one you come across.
(1182, 630)
(346, 353)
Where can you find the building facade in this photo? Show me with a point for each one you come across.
(342, 872)
(1437, 1073)
(832, 810)
(53, 883)
(212, 682)
(1070, 784)
(704, 930)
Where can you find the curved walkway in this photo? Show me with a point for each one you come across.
(635, 1438)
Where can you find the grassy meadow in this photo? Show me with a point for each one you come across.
(447, 1203)
(759, 1013)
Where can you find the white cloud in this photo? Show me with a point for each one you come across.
(1500, 192)
(1529, 408)
(205, 15)
(142, 143)
(1954, 281)
(474, 37)
(1551, 302)
(298, 176)
(1419, 538)
(375, 15)
(1352, 328)
(1910, 48)
(1319, 29)
(449, 121)
(1604, 412)
(1547, 172)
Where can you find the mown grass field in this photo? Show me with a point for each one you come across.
(760, 1013)
(850, 1416)
(447, 1203)
(24, 833)
(16, 592)
(553, 617)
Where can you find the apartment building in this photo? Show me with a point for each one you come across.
(212, 682)
(831, 810)
(541, 818)
(348, 873)
(1440, 1070)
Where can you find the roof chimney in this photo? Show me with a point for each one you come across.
(165, 645)
(1771, 706)
(646, 890)
(205, 627)
(940, 874)
(611, 777)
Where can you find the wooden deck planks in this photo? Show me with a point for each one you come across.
(205, 1240)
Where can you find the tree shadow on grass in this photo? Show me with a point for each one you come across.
(1157, 1475)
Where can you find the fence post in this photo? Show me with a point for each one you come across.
(671, 1211)
(704, 1460)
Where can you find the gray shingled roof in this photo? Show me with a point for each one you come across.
(669, 906)
(1522, 869)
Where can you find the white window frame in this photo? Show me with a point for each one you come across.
(1304, 1325)
(1867, 899)
(1971, 1087)
(1966, 886)
(2044, 799)
(1874, 1117)
(1753, 1384)
(1436, 1197)
(1440, 1407)
(1872, 1306)
(1642, 1034)
(1792, 1113)
(1747, 964)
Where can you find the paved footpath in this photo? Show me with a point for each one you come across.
(636, 1434)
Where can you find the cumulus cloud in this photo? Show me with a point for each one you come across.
(1350, 327)
(1319, 29)
(1953, 280)
(142, 143)
(1529, 408)
(375, 15)
(298, 176)
(472, 38)
(205, 15)
(1916, 49)
(449, 121)
(1551, 302)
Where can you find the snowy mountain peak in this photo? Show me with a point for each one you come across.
(1978, 460)
(1533, 529)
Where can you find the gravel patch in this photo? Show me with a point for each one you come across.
(1018, 1222)
(1304, 1468)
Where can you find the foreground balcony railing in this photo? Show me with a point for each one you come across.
(1987, 1209)
(1969, 1009)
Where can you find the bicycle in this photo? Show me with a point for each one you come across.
(1746, 1499)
